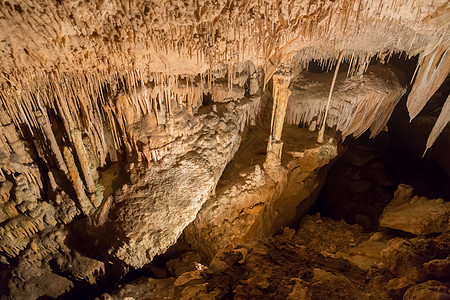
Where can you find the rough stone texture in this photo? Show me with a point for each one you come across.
(291, 265)
(91, 86)
(43, 190)
(357, 105)
(47, 267)
(418, 259)
(398, 286)
(258, 202)
(438, 268)
(417, 215)
(321, 260)
(144, 288)
(89, 34)
(188, 261)
(427, 290)
(403, 259)
(149, 213)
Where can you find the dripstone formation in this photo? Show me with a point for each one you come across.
(126, 126)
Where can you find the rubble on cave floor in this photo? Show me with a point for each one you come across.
(323, 259)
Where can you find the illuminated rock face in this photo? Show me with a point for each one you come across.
(417, 215)
(149, 214)
(124, 114)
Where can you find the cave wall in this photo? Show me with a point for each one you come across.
(89, 85)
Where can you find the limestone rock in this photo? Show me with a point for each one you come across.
(417, 215)
(366, 103)
(148, 215)
(184, 263)
(438, 268)
(398, 286)
(257, 203)
(5, 188)
(316, 262)
(403, 260)
(326, 285)
(35, 281)
(88, 84)
(329, 235)
(300, 291)
(427, 291)
(367, 254)
(82, 268)
(145, 288)
(189, 278)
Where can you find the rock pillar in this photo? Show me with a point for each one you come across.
(280, 99)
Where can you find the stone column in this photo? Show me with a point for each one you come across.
(280, 99)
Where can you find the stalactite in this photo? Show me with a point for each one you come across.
(48, 133)
(355, 107)
(322, 128)
(433, 68)
(442, 121)
(52, 63)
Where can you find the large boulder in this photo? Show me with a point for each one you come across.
(252, 202)
(402, 258)
(430, 290)
(417, 215)
(148, 215)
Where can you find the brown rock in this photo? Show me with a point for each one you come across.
(417, 215)
(438, 268)
(189, 278)
(145, 288)
(430, 290)
(5, 188)
(401, 259)
(326, 285)
(397, 287)
(184, 263)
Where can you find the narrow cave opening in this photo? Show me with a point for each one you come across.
(364, 179)
(207, 99)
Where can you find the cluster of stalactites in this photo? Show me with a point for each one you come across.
(77, 123)
(358, 103)
(89, 103)
(432, 69)
(183, 37)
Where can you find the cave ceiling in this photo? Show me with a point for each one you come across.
(79, 46)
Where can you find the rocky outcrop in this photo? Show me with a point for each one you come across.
(161, 92)
(323, 259)
(67, 173)
(428, 290)
(145, 288)
(149, 213)
(258, 202)
(48, 267)
(287, 266)
(417, 215)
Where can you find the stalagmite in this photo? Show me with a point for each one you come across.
(324, 120)
(280, 99)
(143, 104)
